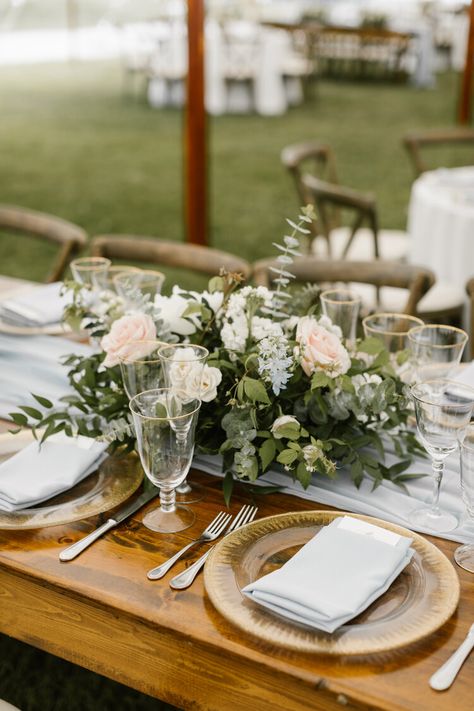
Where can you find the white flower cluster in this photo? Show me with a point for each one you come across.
(274, 362)
(173, 307)
(241, 321)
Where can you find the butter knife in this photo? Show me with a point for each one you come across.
(123, 513)
(444, 677)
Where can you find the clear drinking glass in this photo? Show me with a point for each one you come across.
(182, 368)
(91, 271)
(114, 271)
(142, 370)
(443, 410)
(165, 423)
(390, 328)
(436, 350)
(464, 555)
(342, 306)
(133, 287)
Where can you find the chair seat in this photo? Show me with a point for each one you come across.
(393, 244)
(441, 297)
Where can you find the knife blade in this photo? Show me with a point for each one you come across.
(130, 508)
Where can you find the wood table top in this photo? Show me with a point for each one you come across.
(100, 611)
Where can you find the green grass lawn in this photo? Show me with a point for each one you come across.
(73, 144)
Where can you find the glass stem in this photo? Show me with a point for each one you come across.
(167, 500)
(184, 488)
(438, 468)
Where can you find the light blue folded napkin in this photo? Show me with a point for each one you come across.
(36, 306)
(335, 576)
(38, 473)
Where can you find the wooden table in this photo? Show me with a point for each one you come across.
(102, 613)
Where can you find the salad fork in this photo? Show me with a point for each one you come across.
(183, 580)
(210, 533)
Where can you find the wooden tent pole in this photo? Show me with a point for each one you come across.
(465, 103)
(195, 129)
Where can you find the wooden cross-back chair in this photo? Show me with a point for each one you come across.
(388, 278)
(417, 141)
(69, 237)
(313, 158)
(192, 257)
(363, 239)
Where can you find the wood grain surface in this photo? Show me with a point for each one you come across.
(101, 612)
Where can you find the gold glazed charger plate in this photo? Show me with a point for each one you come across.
(113, 483)
(421, 599)
(53, 329)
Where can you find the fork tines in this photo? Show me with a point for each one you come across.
(246, 514)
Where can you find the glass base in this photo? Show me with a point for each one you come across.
(439, 521)
(169, 521)
(188, 493)
(464, 557)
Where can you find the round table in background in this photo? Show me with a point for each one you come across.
(441, 224)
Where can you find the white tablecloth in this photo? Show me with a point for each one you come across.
(441, 223)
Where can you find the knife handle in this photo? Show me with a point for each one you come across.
(76, 548)
(444, 677)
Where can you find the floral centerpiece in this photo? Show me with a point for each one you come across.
(280, 386)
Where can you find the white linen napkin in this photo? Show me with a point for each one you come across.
(335, 576)
(37, 306)
(38, 473)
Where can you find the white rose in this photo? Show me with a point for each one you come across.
(203, 384)
(123, 340)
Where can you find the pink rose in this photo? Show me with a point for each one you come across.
(320, 350)
(123, 339)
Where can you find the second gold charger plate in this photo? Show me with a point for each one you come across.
(114, 482)
(421, 599)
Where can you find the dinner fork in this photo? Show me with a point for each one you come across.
(210, 533)
(183, 580)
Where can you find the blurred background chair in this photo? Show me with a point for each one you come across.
(362, 239)
(419, 143)
(151, 250)
(68, 237)
(400, 283)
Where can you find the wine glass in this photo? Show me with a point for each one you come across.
(91, 271)
(141, 369)
(390, 328)
(182, 367)
(342, 307)
(443, 409)
(165, 422)
(464, 555)
(436, 350)
(134, 287)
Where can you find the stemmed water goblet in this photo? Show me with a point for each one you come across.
(116, 270)
(165, 422)
(342, 306)
(183, 369)
(390, 328)
(464, 555)
(443, 410)
(92, 272)
(141, 368)
(436, 350)
(134, 287)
